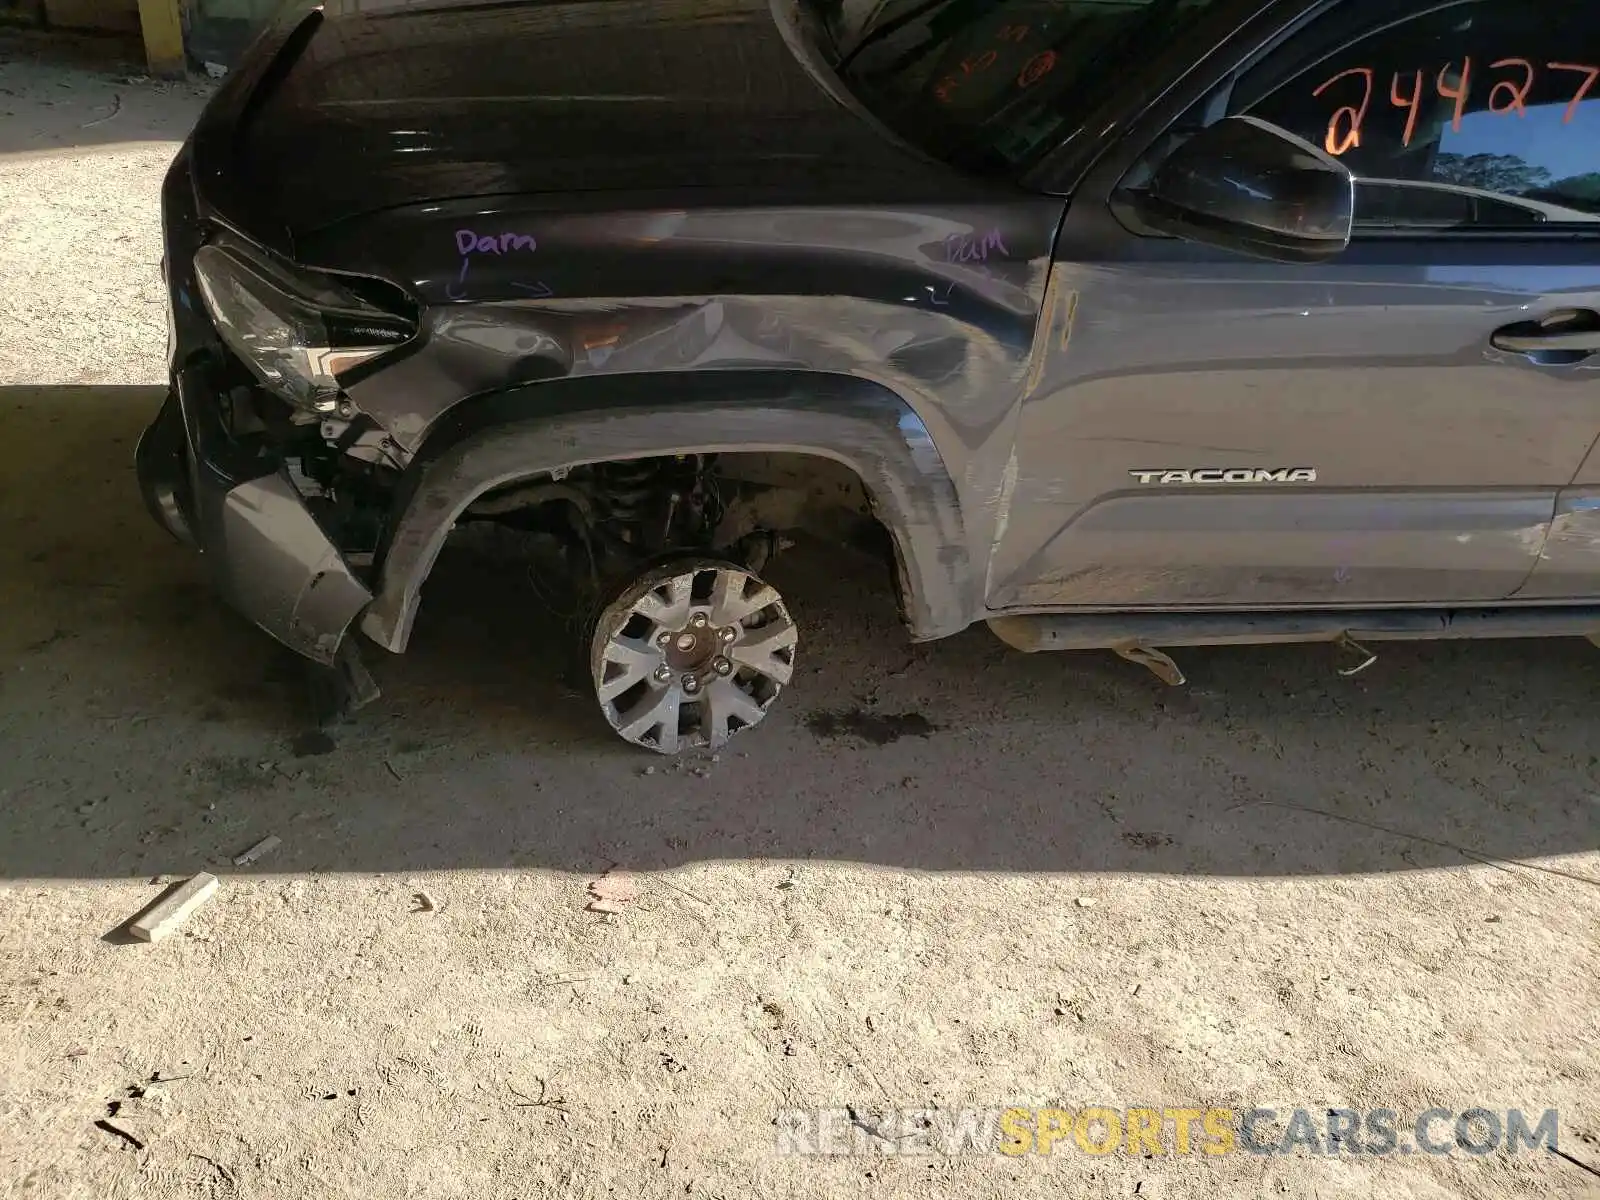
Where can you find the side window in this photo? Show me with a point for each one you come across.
(1482, 114)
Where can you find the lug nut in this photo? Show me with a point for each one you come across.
(727, 634)
(663, 639)
(663, 674)
(698, 620)
(721, 666)
(691, 685)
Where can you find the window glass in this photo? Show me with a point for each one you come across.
(1483, 114)
(1001, 82)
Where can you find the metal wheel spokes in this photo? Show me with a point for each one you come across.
(690, 654)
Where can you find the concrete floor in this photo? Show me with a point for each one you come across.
(1276, 887)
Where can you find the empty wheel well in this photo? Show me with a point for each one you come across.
(804, 493)
(617, 515)
(496, 472)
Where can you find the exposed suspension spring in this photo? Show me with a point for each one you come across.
(632, 493)
(652, 505)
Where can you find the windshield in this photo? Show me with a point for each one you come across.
(997, 84)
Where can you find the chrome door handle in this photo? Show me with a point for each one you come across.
(1568, 331)
(1524, 343)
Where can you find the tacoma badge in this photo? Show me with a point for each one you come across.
(1228, 475)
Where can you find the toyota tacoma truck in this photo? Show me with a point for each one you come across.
(1125, 324)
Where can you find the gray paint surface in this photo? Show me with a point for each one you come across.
(1438, 458)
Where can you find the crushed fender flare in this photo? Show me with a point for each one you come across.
(529, 432)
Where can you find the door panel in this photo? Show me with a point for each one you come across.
(1438, 458)
(1473, 130)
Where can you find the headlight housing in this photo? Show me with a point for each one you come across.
(295, 333)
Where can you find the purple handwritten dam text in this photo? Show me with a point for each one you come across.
(965, 248)
(469, 242)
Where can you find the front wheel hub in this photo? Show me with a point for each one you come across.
(690, 654)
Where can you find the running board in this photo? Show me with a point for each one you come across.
(1116, 631)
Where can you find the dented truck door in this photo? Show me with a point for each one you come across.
(1266, 435)
(1391, 427)
(1569, 564)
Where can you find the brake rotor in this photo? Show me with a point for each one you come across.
(691, 653)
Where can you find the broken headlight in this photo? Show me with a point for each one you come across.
(295, 333)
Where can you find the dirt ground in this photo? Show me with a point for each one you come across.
(938, 876)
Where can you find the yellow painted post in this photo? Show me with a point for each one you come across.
(163, 37)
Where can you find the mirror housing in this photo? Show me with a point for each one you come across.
(1253, 188)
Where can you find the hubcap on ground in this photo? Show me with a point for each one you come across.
(691, 653)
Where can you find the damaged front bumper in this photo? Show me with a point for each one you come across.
(266, 553)
(265, 550)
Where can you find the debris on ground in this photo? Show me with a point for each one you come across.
(173, 909)
(262, 848)
(142, 1104)
(544, 1099)
(611, 891)
(1086, 902)
(671, 1065)
(564, 978)
(425, 901)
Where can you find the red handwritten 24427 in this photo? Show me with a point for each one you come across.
(1507, 95)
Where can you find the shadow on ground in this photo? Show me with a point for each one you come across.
(146, 729)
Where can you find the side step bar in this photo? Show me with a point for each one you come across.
(1113, 631)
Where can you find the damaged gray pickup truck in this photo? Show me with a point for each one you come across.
(1129, 324)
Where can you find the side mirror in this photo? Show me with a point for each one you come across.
(1250, 187)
